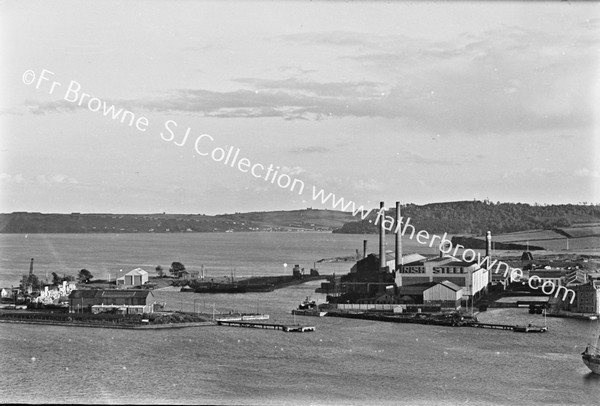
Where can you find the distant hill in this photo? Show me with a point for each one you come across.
(466, 217)
(296, 220)
(477, 217)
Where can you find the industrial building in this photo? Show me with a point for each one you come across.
(138, 300)
(394, 278)
(469, 276)
(136, 277)
(587, 298)
(446, 294)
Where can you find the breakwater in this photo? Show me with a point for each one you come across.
(252, 284)
(450, 319)
(120, 321)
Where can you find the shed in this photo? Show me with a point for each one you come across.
(135, 277)
(446, 294)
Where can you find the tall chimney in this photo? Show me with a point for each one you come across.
(31, 267)
(488, 254)
(364, 248)
(382, 261)
(398, 238)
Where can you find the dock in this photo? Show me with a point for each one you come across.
(516, 328)
(266, 326)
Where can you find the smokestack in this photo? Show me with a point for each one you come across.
(31, 267)
(364, 248)
(488, 254)
(382, 260)
(398, 238)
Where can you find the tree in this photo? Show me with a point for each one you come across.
(84, 276)
(30, 280)
(159, 270)
(56, 280)
(176, 267)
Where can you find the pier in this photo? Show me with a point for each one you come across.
(494, 326)
(266, 326)
(516, 328)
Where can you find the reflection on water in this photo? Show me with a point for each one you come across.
(343, 362)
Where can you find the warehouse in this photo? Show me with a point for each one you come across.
(446, 294)
(83, 300)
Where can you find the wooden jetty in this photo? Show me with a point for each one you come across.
(266, 326)
(517, 329)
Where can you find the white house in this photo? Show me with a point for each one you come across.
(136, 277)
(6, 293)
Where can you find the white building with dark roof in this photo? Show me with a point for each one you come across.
(469, 276)
(446, 294)
(136, 277)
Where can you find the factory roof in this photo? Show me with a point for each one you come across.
(406, 259)
(460, 263)
(101, 293)
(451, 285)
(543, 273)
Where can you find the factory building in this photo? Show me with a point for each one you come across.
(555, 276)
(84, 300)
(587, 298)
(472, 279)
(392, 277)
(446, 294)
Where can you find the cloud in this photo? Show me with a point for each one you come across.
(586, 173)
(296, 170)
(56, 179)
(8, 178)
(413, 158)
(502, 80)
(314, 149)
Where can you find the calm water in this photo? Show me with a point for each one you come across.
(220, 253)
(343, 362)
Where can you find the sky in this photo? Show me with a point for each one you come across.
(370, 101)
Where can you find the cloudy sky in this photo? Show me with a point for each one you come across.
(370, 101)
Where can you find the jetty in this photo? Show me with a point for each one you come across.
(516, 328)
(449, 320)
(266, 326)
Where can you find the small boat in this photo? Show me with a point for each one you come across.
(591, 358)
(529, 329)
(244, 317)
(308, 308)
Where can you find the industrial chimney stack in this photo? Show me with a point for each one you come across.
(488, 254)
(364, 248)
(398, 238)
(382, 261)
(31, 267)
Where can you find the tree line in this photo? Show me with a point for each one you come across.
(477, 217)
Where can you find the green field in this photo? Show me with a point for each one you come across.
(582, 238)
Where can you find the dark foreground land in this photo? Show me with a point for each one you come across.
(130, 321)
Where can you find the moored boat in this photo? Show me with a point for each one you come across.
(591, 358)
(245, 317)
(308, 308)
(529, 329)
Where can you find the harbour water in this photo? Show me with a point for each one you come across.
(343, 362)
(253, 253)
